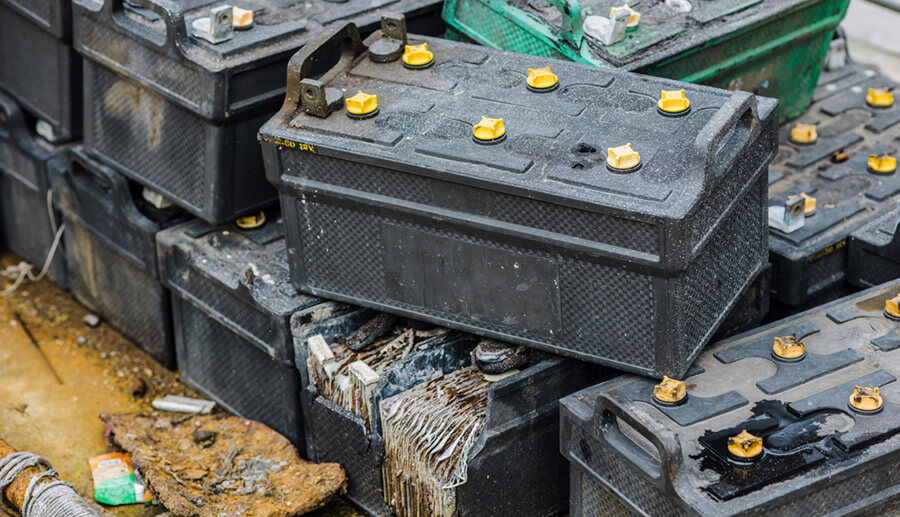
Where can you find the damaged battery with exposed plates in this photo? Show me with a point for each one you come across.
(232, 304)
(175, 91)
(598, 214)
(29, 224)
(798, 417)
(835, 171)
(428, 423)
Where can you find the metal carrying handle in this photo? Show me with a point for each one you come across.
(346, 37)
(728, 133)
(168, 10)
(611, 407)
(570, 29)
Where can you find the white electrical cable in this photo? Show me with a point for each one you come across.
(23, 270)
(43, 499)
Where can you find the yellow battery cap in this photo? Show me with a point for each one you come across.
(881, 164)
(634, 17)
(541, 79)
(880, 97)
(489, 130)
(804, 133)
(417, 56)
(673, 102)
(788, 348)
(241, 18)
(670, 391)
(251, 221)
(622, 158)
(362, 105)
(866, 399)
(745, 446)
(892, 308)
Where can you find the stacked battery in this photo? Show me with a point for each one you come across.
(38, 66)
(432, 422)
(402, 251)
(175, 92)
(110, 240)
(556, 205)
(799, 415)
(232, 308)
(27, 162)
(835, 172)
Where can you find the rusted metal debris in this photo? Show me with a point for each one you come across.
(16, 492)
(212, 465)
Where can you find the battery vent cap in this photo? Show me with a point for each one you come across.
(804, 134)
(866, 399)
(745, 446)
(880, 97)
(541, 79)
(417, 56)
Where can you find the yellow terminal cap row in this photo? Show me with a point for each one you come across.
(808, 134)
(621, 158)
(487, 129)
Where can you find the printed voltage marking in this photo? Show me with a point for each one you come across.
(829, 250)
(300, 146)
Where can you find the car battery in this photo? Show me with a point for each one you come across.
(29, 225)
(835, 170)
(774, 48)
(177, 90)
(586, 220)
(875, 251)
(501, 428)
(800, 416)
(40, 69)
(232, 303)
(110, 239)
(339, 399)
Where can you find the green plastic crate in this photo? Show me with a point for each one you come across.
(774, 48)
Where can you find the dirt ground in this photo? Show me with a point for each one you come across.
(57, 374)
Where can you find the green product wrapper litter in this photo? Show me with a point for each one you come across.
(115, 482)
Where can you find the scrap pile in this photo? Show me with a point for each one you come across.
(395, 237)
